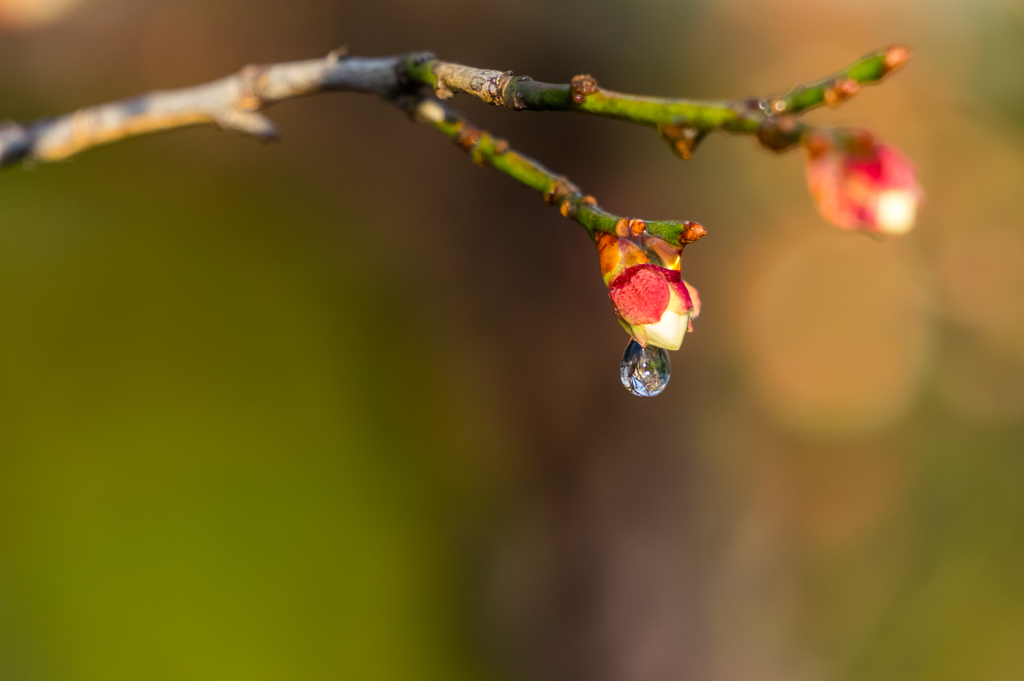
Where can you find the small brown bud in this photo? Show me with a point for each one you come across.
(558, 190)
(468, 137)
(840, 91)
(693, 231)
(622, 227)
(896, 56)
(683, 139)
(778, 134)
(582, 85)
(849, 87)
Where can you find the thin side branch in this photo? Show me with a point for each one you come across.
(556, 189)
(835, 89)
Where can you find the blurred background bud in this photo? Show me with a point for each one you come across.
(860, 183)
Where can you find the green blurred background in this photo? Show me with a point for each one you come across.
(347, 406)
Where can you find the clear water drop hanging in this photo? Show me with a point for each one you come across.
(645, 371)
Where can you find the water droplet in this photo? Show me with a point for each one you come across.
(645, 371)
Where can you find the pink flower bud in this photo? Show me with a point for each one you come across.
(652, 302)
(655, 305)
(859, 183)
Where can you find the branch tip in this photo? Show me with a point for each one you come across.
(896, 56)
(693, 231)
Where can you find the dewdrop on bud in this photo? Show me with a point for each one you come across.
(645, 372)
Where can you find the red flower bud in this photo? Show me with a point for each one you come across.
(863, 184)
(652, 302)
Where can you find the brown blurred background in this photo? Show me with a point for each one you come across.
(347, 406)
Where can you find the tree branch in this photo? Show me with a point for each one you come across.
(235, 102)
(231, 103)
(681, 122)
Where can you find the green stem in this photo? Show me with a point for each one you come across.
(841, 85)
(485, 149)
(681, 122)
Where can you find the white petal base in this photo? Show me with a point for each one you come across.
(668, 331)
